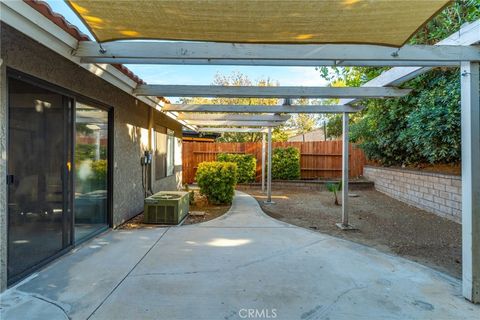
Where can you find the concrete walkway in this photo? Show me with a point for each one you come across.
(243, 265)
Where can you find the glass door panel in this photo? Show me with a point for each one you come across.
(38, 162)
(91, 170)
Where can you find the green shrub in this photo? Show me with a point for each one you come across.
(246, 164)
(217, 181)
(286, 163)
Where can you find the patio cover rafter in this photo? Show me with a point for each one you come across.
(268, 92)
(232, 117)
(147, 52)
(261, 108)
(252, 123)
(232, 130)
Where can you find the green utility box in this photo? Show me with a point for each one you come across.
(166, 207)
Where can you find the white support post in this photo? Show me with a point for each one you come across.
(470, 180)
(344, 225)
(263, 162)
(269, 169)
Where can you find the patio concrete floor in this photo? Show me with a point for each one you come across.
(222, 268)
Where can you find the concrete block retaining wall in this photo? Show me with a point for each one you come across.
(440, 194)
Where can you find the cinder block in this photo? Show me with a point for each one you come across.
(439, 200)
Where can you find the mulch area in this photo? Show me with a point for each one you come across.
(383, 223)
(207, 212)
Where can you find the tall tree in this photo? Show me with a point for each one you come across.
(303, 122)
(239, 79)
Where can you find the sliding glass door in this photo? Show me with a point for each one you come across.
(91, 170)
(58, 177)
(39, 162)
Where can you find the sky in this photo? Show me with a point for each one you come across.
(197, 75)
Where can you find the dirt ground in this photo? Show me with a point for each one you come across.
(200, 205)
(383, 223)
(452, 168)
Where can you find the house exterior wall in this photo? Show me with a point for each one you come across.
(130, 124)
(3, 173)
(440, 194)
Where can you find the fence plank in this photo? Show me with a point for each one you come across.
(318, 159)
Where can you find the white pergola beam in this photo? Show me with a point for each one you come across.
(470, 115)
(271, 63)
(232, 117)
(261, 108)
(234, 123)
(232, 130)
(267, 92)
(216, 53)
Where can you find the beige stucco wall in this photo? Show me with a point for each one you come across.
(3, 173)
(130, 122)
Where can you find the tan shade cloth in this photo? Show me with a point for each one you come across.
(385, 22)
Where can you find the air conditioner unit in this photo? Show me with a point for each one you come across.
(166, 207)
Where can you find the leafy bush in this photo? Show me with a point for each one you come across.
(217, 180)
(246, 164)
(419, 128)
(286, 163)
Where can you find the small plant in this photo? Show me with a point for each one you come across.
(334, 187)
(217, 181)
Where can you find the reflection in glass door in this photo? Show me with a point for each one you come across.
(91, 170)
(39, 214)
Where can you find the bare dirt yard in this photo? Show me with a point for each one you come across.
(200, 211)
(383, 223)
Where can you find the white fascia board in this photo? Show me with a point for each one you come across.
(468, 34)
(29, 21)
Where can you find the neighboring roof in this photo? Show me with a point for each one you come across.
(314, 135)
(60, 21)
(384, 22)
(194, 134)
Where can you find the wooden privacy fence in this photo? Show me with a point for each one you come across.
(318, 159)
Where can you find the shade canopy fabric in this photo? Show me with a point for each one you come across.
(383, 22)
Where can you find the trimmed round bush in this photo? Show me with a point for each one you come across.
(246, 164)
(217, 181)
(286, 163)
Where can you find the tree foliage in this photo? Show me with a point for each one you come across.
(423, 126)
(246, 164)
(286, 163)
(237, 79)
